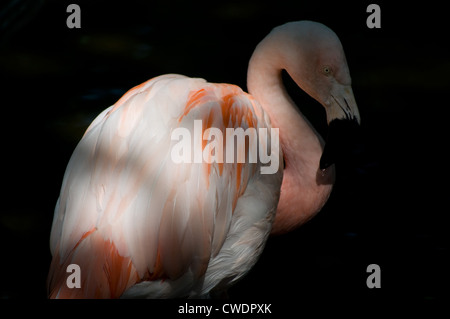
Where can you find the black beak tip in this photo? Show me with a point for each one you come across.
(325, 162)
(324, 165)
(342, 135)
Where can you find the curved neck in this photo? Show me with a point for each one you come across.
(304, 189)
(301, 143)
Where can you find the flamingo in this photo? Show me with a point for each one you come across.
(139, 225)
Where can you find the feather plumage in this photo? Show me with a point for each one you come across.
(139, 224)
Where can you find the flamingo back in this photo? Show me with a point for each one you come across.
(141, 225)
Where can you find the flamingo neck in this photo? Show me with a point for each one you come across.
(305, 189)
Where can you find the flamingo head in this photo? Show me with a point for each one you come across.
(317, 63)
(313, 56)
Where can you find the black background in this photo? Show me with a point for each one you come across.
(388, 207)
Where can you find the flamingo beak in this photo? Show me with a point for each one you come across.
(343, 127)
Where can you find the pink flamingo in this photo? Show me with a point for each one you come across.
(140, 225)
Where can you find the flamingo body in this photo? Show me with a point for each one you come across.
(140, 225)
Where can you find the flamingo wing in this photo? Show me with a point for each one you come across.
(136, 221)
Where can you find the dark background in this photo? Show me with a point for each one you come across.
(388, 206)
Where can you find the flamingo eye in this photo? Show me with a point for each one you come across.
(326, 70)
